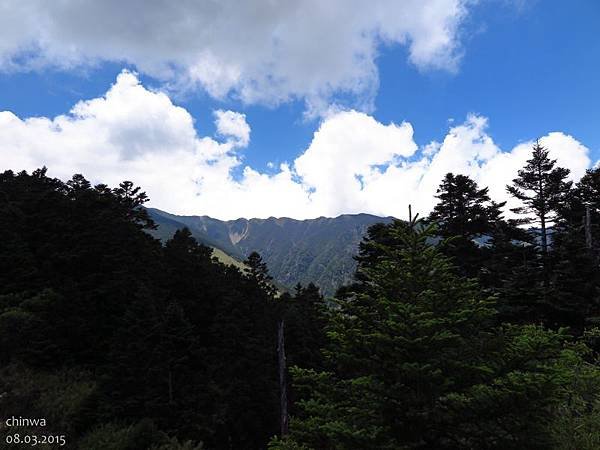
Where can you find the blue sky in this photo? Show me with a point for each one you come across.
(524, 69)
(531, 71)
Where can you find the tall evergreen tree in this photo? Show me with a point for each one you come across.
(466, 214)
(306, 316)
(584, 205)
(542, 188)
(258, 271)
(510, 271)
(575, 276)
(464, 209)
(415, 363)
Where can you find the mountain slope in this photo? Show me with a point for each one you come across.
(296, 251)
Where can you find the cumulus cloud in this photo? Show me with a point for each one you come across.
(353, 163)
(233, 125)
(258, 51)
(344, 156)
(469, 150)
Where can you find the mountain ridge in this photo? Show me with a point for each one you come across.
(318, 250)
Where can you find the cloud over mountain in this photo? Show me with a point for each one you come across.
(353, 164)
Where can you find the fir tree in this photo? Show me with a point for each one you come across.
(510, 271)
(258, 271)
(466, 214)
(305, 315)
(415, 363)
(464, 209)
(576, 274)
(581, 206)
(542, 188)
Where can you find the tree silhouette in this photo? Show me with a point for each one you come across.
(542, 188)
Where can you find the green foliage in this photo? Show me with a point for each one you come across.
(161, 333)
(483, 245)
(175, 444)
(62, 397)
(122, 342)
(541, 187)
(286, 443)
(141, 436)
(575, 424)
(306, 316)
(416, 363)
(575, 276)
(464, 209)
(466, 214)
(256, 270)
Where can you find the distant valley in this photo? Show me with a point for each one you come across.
(296, 251)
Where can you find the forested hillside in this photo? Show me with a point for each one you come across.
(296, 251)
(121, 341)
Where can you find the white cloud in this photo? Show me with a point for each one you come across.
(353, 164)
(469, 150)
(259, 51)
(343, 156)
(233, 125)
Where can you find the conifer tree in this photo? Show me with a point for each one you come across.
(305, 315)
(510, 271)
(576, 273)
(584, 204)
(466, 214)
(542, 189)
(189, 275)
(464, 209)
(258, 271)
(414, 362)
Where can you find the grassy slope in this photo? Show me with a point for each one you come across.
(226, 259)
(167, 228)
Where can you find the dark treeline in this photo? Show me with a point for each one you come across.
(119, 341)
(465, 330)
